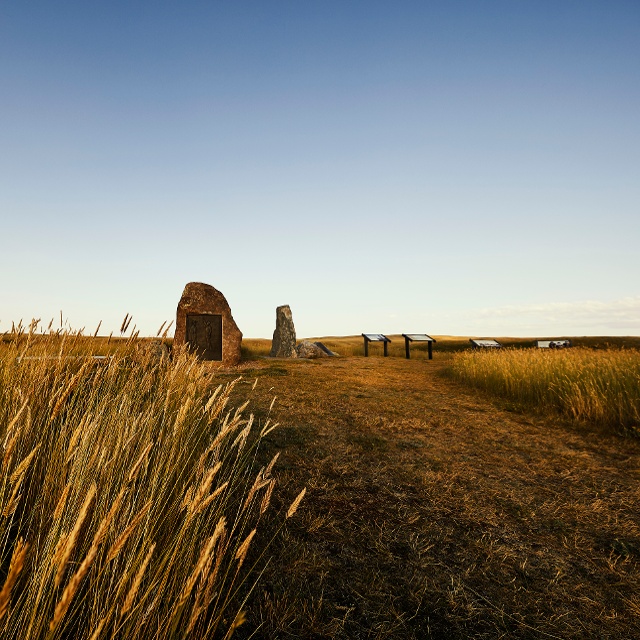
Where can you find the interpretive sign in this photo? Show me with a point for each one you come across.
(417, 337)
(375, 337)
(485, 344)
(553, 344)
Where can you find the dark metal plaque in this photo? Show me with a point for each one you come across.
(204, 335)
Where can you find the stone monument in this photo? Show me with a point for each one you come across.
(283, 344)
(204, 325)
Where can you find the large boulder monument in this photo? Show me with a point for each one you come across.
(204, 325)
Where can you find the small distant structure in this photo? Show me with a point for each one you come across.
(417, 337)
(375, 337)
(485, 344)
(553, 344)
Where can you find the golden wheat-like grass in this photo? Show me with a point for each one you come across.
(15, 567)
(72, 587)
(70, 541)
(135, 584)
(583, 384)
(296, 503)
(119, 475)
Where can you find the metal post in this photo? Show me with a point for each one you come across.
(385, 348)
(366, 348)
(406, 347)
(430, 350)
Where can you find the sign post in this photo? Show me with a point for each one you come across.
(417, 337)
(375, 337)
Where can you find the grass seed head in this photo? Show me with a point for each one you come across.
(135, 585)
(296, 503)
(73, 536)
(15, 567)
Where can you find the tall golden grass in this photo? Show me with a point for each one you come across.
(583, 384)
(128, 504)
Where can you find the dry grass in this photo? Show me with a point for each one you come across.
(433, 512)
(595, 386)
(353, 345)
(123, 493)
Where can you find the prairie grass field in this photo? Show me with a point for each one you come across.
(128, 495)
(602, 387)
(144, 497)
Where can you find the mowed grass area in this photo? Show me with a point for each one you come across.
(433, 511)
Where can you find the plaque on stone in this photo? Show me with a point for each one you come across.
(311, 351)
(205, 326)
(204, 335)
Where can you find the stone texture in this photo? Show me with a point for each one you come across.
(204, 324)
(155, 350)
(326, 349)
(310, 350)
(283, 344)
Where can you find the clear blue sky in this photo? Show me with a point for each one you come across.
(442, 167)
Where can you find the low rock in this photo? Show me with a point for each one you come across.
(310, 350)
(155, 350)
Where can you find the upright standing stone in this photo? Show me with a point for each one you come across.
(204, 325)
(284, 337)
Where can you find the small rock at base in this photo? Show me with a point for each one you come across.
(310, 350)
(156, 350)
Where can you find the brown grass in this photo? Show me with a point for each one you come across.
(600, 387)
(98, 456)
(433, 511)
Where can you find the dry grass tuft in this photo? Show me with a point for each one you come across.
(15, 567)
(98, 456)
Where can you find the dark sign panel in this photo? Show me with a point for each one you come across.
(204, 335)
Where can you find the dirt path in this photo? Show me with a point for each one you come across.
(433, 512)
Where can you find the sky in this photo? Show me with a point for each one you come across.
(459, 167)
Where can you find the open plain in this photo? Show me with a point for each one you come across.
(435, 510)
